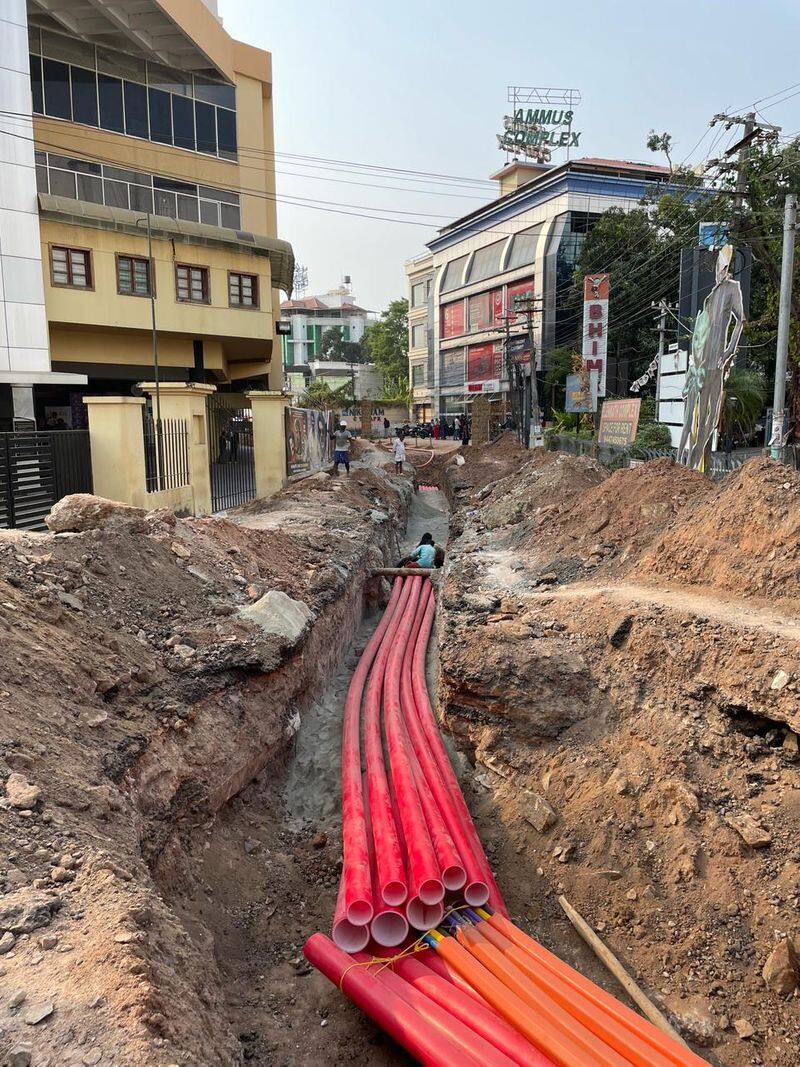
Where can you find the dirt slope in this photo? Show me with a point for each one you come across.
(636, 742)
(138, 694)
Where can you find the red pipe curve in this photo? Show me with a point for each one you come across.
(426, 887)
(354, 905)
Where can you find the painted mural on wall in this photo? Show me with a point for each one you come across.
(308, 441)
(714, 342)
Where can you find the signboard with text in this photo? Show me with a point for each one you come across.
(619, 420)
(581, 393)
(595, 326)
(453, 319)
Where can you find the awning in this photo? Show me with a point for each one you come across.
(101, 217)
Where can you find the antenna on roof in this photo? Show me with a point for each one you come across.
(300, 280)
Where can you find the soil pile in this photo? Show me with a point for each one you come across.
(745, 540)
(483, 465)
(620, 515)
(637, 744)
(150, 667)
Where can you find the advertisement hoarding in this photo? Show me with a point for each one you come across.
(581, 393)
(619, 420)
(453, 319)
(595, 326)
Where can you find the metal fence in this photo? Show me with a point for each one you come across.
(720, 463)
(166, 453)
(231, 456)
(37, 468)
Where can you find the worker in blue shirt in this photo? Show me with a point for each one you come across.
(424, 555)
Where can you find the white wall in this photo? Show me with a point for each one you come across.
(24, 341)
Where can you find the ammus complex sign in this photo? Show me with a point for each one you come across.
(534, 131)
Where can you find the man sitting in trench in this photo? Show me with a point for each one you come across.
(427, 554)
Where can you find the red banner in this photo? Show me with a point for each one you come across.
(523, 288)
(453, 319)
(497, 307)
(480, 312)
(484, 362)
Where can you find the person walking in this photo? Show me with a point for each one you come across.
(465, 433)
(341, 448)
(399, 452)
(386, 427)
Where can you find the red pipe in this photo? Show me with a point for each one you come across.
(454, 876)
(474, 1047)
(478, 1017)
(389, 1011)
(389, 926)
(441, 779)
(388, 856)
(354, 905)
(426, 886)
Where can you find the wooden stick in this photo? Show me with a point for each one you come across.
(634, 991)
(406, 572)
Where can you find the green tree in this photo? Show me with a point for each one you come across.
(319, 395)
(661, 142)
(335, 349)
(744, 399)
(395, 390)
(561, 363)
(386, 341)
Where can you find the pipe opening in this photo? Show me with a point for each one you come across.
(350, 938)
(476, 894)
(389, 928)
(394, 893)
(431, 891)
(360, 912)
(424, 916)
(454, 877)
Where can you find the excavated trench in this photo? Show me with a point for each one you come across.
(259, 878)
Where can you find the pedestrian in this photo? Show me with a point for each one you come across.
(465, 433)
(399, 452)
(234, 444)
(223, 446)
(386, 426)
(341, 448)
(424, 555)
(457, 429)
(436, 431)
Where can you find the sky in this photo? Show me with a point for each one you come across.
(421, 86)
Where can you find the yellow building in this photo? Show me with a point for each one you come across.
(143, 113)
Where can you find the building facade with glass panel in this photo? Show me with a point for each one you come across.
(113, 120)
(524, 244)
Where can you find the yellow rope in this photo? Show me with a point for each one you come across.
(386, 961)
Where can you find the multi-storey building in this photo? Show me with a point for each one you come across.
(116, 115)
(309, 318)
(524, 243)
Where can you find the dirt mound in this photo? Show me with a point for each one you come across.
(745, 540)
(483, 465)
(136, 699)
(619, 516)
(541, 487)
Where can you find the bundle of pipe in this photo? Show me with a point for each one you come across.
(408, 837)
(561, 1013)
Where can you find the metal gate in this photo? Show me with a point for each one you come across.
(230, 446)
(37, 468)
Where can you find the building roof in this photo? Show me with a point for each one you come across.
(102, 217)
(313, 303)
(606, 168)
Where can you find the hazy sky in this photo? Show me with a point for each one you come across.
(421, 85)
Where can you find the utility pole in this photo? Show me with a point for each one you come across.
(752, 131)
(532, 432)
(784, 315)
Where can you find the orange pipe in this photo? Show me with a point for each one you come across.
(675, 1053)
(594, 1049)
(533, 1024)
(624, 1039)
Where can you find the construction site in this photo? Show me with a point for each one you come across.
(613, 677)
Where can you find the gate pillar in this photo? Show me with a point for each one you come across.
(187, 400)
(117, 445)
(269, 441)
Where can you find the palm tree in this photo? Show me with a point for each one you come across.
(743, 402)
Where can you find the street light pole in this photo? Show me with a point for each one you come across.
(784, 314)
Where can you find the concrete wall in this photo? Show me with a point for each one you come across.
(23, 320)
